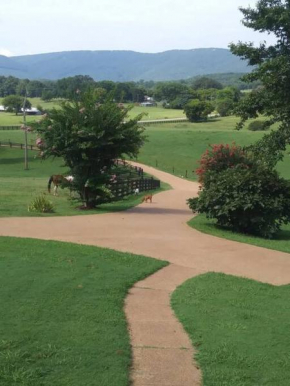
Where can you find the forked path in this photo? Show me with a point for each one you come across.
(162, 352)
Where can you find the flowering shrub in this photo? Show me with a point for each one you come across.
(221, 157)
(254, 200)
(241, 192)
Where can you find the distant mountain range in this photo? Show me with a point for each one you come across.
(124, 65)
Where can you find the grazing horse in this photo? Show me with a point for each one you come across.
(57, 180)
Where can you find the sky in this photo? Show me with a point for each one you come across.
(39, 26)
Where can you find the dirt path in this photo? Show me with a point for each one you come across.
(162, 353)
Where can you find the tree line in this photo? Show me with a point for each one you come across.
(172, 94)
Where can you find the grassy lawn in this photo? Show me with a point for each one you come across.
(62, 318)
(280, 243)
(239, 327)
(19, 187)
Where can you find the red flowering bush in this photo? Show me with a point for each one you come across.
(241, 191)
(221, 157)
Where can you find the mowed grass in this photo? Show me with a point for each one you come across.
(239, 327)
(176, 148)
(280, 242)
(62, 316)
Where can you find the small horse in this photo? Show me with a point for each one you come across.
(57, 180)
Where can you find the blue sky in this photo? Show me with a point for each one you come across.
(38, 26)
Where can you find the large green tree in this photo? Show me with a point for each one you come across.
(15, 103)
(197, 111)
(89, 137)
(272, 68)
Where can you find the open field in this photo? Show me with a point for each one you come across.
(239, 327)
(150, 112)
(62, 316)
(179, 146)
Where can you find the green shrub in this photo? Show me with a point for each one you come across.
(251, 200)
(197, 111)
(41, 204)
(257, 126)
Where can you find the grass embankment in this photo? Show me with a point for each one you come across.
(62, 318)
(281, 242)
(239, 327)
(19, 187)
(179, 146)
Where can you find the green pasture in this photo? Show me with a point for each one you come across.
(176, 148)
(62, 313)
(151, 113)
(239, 327)
(10, 119)
(158, 112)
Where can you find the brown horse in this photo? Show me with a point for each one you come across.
(57, 180)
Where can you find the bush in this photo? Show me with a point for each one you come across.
(257, 126)
(41, 204)
(197, 110)
(254, 200)
(221, 157)
(224, 107)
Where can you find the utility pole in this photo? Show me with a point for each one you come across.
(25, 132)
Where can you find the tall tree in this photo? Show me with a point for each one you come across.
(272, 68)
(89, 137)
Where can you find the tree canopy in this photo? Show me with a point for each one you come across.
(89, 136)
(15, 103)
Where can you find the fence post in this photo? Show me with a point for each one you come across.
(156, 163)
(186, 174)
(173, 169)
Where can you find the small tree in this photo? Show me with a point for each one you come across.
(89, 137)
(197, 111)
(15, 103)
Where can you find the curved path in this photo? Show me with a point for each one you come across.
(162, 352)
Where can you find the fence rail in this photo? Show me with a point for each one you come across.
(125, 188)
(18, 145)
(160, 121)
(136, 169)
(10, 127)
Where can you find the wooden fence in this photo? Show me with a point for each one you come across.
(10, 127)
(139, 171)
(125, 188)
(18, 145)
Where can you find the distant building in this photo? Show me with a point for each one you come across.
(2, 109)
(32, 111)
(148, 98)
(148, 104)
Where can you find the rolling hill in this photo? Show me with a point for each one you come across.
(124, 65)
